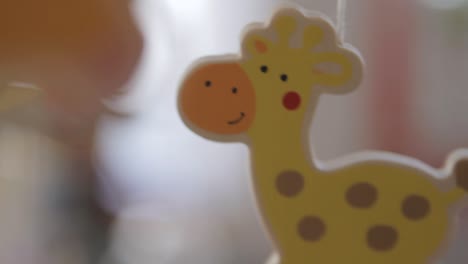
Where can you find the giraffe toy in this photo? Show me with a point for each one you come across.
(369, 208)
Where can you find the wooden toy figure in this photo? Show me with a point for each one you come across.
(372, 208)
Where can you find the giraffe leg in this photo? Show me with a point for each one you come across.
(273, 259)
(461, 174)
(276, 259)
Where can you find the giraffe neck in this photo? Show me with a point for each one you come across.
(281, 158)
(280, 143)
(287, 148)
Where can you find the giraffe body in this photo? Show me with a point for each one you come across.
(342, 221)
(368, 211)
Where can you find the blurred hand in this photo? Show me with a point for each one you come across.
(77, 52)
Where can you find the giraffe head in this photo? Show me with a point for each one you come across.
(291, 62)
(283, 67)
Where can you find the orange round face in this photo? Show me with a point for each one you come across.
(218, 98)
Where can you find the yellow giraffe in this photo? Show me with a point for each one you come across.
(373, 208)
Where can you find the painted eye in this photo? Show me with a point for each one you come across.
(264, 69)
(284, 77)
(208, 83)
(234, 90)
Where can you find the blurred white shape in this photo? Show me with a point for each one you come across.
(155, 155)
(198, 191)
(156, 62)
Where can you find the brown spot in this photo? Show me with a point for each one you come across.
(290, 183)
(382, 238)
(415, 207)
(461, 173)
(311, 228)
(361, 195)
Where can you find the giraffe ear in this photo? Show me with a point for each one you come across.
(340, 70)
(255, 44)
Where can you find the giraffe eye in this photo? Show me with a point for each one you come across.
(234, 90)
(208, 83)
(284, 77)
(264, 69)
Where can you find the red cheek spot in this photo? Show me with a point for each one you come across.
(261, 46)
(291, 100)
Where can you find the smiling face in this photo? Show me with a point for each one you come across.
(218, 98)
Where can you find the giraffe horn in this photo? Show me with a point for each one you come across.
(285, 26)
(461, 174)
(313, 36)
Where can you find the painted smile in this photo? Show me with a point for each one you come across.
(238, 120)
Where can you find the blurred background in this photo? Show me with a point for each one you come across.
(81, 184)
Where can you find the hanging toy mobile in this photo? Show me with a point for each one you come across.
(372, 207)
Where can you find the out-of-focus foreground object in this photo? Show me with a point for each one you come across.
(58, 61)
(77, 51)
